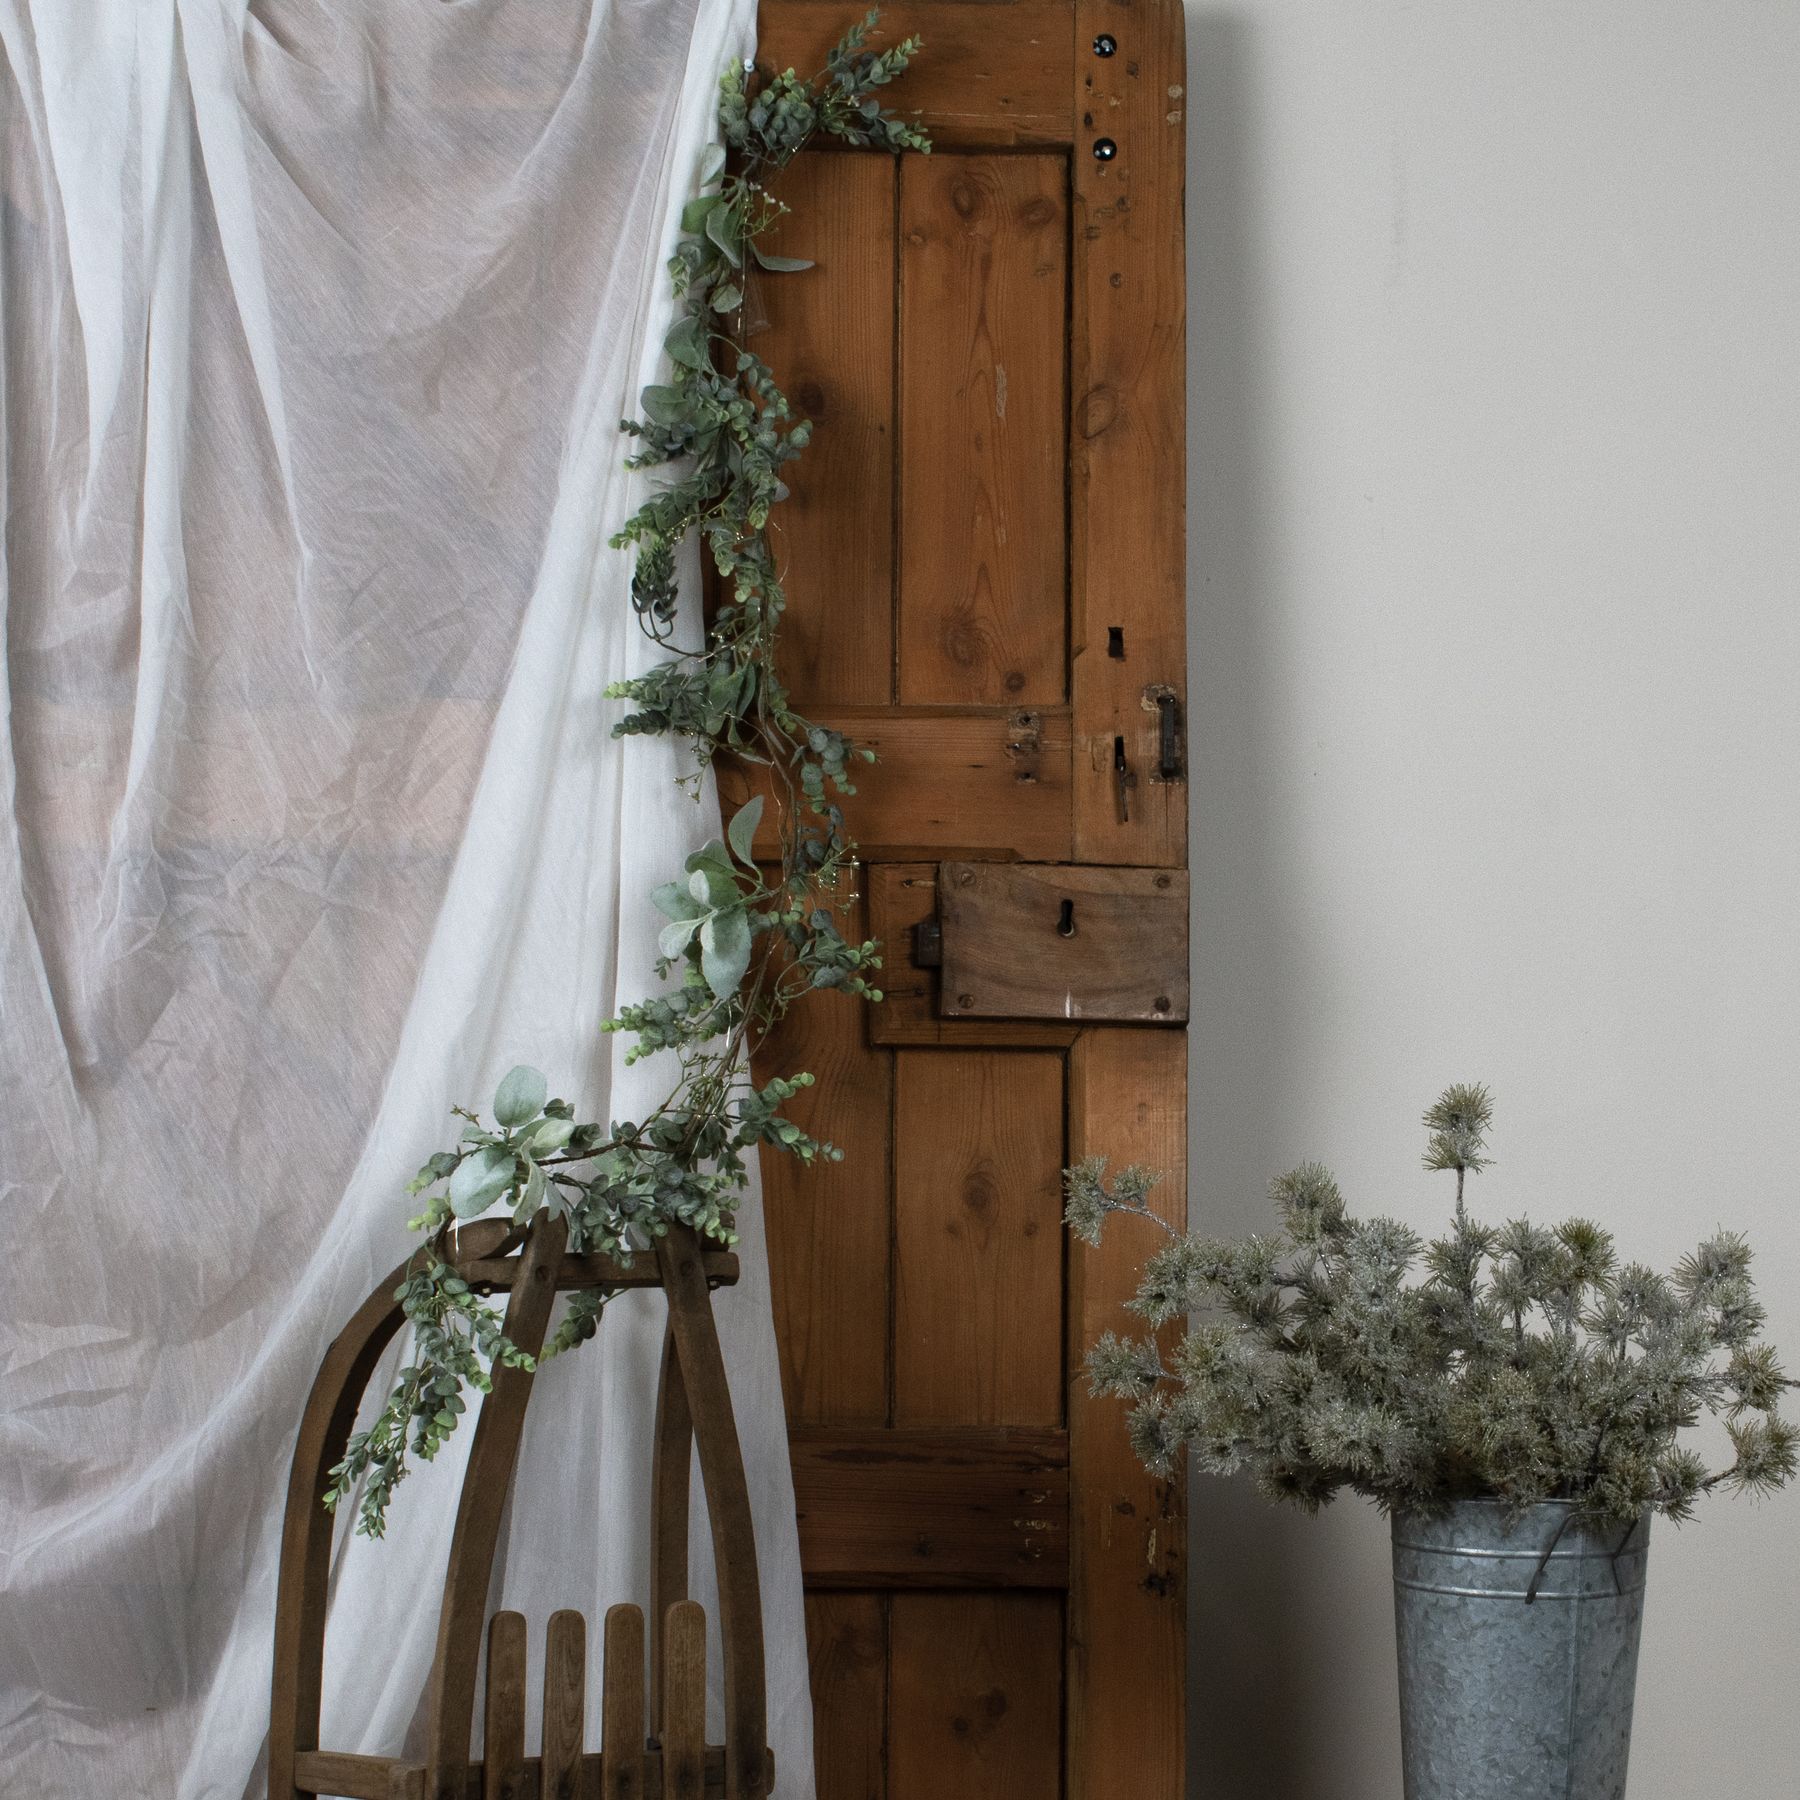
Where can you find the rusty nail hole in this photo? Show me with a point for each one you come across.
(966, 878)
(1162, 1002)
(965, 1001)
(1162, 881)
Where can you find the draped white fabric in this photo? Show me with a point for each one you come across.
(317, 318)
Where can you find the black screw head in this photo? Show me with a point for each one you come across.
(1105, 149)
(1105, 44)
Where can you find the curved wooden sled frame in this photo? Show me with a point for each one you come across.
(693, 1408)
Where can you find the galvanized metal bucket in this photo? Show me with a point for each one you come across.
(1505, 1698)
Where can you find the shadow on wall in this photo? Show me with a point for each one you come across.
(1275, 1689)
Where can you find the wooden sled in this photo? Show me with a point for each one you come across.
(664, 1757)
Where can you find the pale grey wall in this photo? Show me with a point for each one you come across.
(1495, 527)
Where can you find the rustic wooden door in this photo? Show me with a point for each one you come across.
(985, 557)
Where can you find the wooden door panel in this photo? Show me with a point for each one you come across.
(984, 561)
(975, 1696)
(834, 534)
(828, 1223)
(847, 1641)
(978, 1139)
(983, 346)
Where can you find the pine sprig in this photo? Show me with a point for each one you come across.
(1511, 1362)
(739, 945)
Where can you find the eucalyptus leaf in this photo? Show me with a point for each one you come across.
(520, 1096)
(663, 405)
(480, 1181)
(742, 829)
(725, 951)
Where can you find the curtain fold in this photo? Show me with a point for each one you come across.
(316, 325)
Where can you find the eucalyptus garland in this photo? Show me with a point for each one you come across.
(741, 945)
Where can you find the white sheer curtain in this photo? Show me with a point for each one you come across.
(317, 318)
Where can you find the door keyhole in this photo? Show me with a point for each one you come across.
(1065, 919)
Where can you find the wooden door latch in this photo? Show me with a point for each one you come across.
(1058, 941)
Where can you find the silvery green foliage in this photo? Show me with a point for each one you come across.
(1503, 1361)
(742, 944)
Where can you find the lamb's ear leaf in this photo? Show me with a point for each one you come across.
(673, 900)
(778, 265)
(712, 165)
(742, 829)
(520, 1096)
(551, 1135)
(686, 343)
(675, 938)
(725, 951)
(480, 1181)
(722, 229)
(533, 1195)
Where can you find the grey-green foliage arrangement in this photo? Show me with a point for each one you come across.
(742, 946)
(1499, 1361)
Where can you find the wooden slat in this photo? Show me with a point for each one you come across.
(498, 1272)
(847, 1639)
(691, 1321)
(932, 1507)
(565, 1706)
(1055, 941)
(1127, 525)
(306, 1530)
(684, 1702)
(450, 1694)
(622, 1705)
(829, 1221)
(671, 1473)
(901, 897)
(981, 781)
(354, 1777)
(830, 341)
(983, 416)
(975, 1695)
(996, 73)
(978, 1242)
(1127, 1600)
(503, 1711)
